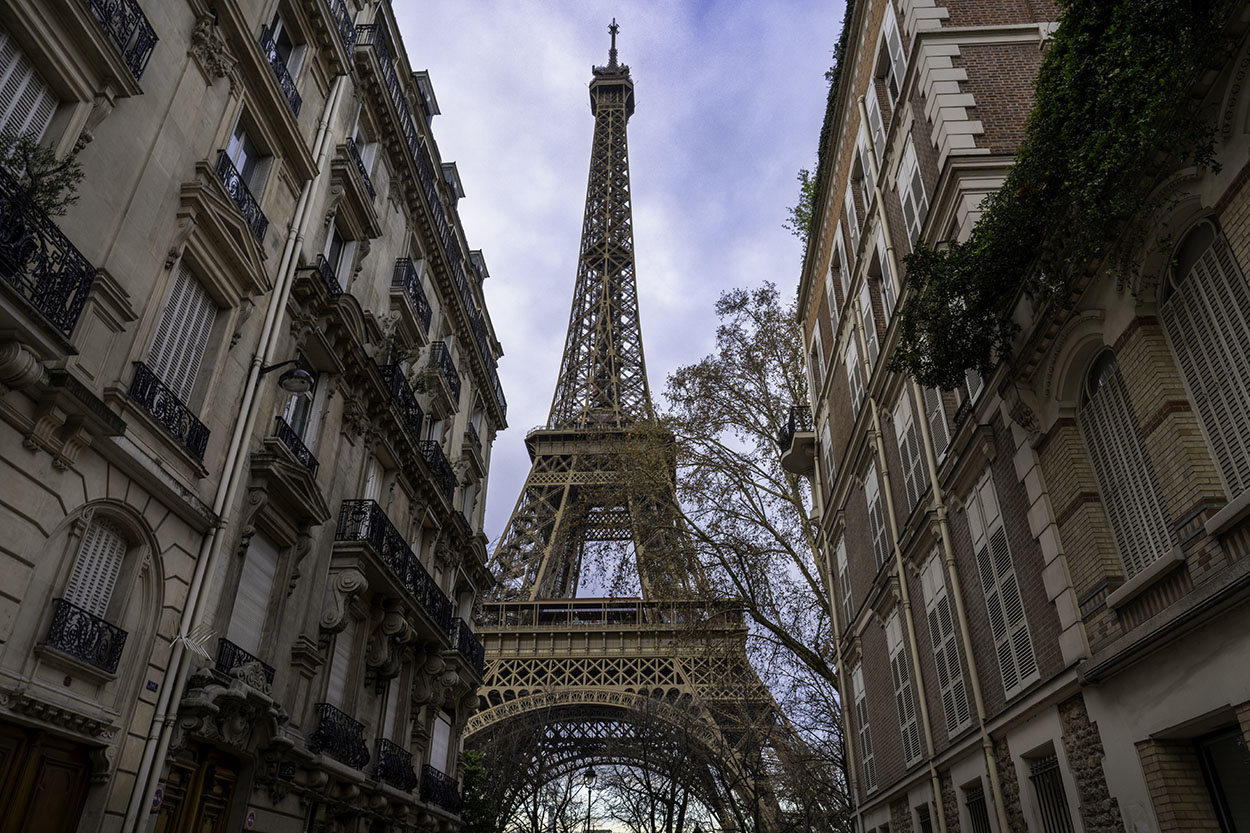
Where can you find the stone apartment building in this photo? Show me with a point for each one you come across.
(1039, 580)
(248, 392)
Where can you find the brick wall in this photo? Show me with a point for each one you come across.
(861, 563)
(999, 12)
(1000, 78)
(1177, 790)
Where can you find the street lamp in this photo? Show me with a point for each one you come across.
(589, 778)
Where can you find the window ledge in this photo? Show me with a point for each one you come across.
(1132, 588)
(1237, 508)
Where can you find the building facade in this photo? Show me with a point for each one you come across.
(1039, 580)
(248, 391)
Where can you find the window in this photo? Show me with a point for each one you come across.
(875, 122)
(911, 192)
(26, 101)
(182, 334)
(390, 710)
(876, 516)
(340, 253)
(441, 743)
(96, 567)
(937, 420)
(854, 375)
(866, 169)
(251, 601)
(844, 584)
(340, 663)
(1126, 476)
(818, 361)
(1226, 767)
(950, 673)
(373, 480)
(830, 299)
(974, 805)
(908, 435)
(287, 43)
(865, 733)
(891, 62)
(870, 323)
(1003, 603)
(1207, 317)
(888, 296)
(924, 821)
(1052, 801)
(852, 216)
(249, 160)
(300, 412)
(826, 442)
(844, 262)
(904, 698)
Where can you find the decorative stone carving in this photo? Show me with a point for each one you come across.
(19, 367)
(209, 50)
(23, 703)
(237, 714)
(344, 585)
(101, 107)
(303, 544)
(384, 654)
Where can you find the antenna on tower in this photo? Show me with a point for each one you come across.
(613, 29)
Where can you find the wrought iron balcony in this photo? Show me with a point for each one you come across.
(466, 644)
(167, 409)
(441, 357)
(343, 22)
(364, 521)
(444, 474)
(474, 438)
(800, 420)
(354, 153)
(85, 636)
(38, 261)
(326, 271)
(127, 26)
(339, 736)
(242, 196)
(374, 36)
(394, 766)
(407, 277)
(403, 397)
(280, 71)
(231, 656)
(440, 789)
(291, 439)
(962, 412)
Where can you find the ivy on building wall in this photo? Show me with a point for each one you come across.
(1114, 110)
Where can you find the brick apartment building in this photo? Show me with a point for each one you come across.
(1040, 580)
(248, 392)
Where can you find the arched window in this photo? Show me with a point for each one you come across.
(1206, 312)
(97, 566)
(1126, 476)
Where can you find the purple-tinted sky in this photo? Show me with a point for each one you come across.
(730, 97)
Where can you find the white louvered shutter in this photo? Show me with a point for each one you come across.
(844, 270)
(888, 296)
(875, 122)
(844, 583)
(251, 601)
(876, 516)
(852, 218)
(832, 300)
(392, 709)
(26, 101)
(818, 358)
(898, 61)
(904, 699)
(340, 663)
(441, 743)
(1208, 322)
(945, 651)
(908, 435)
(1126, 476)
(96, 567)
(854, 374)
(911, 192)
(865, 732)
(870, 324)
(936, 416)
(182, 334)
(826, 441)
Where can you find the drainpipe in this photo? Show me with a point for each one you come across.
(878, 437)
(193, 614)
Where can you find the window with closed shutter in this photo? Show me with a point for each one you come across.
(830, 299)
(1003, 603)
(826, 443)
(844, 584)
(844, 273)
(876, 516)
(1207, 317)
(251, 600)
(182, 334)
(870, 324)
(96, 567)
(854, 375)
(1126, 475)
(875, 122)
(852, 218)
(441, 744)
(818, 359)
(26, 101)
(936, 417)
(867, 758)
(389, 716)
(888, 296)
(340, 664)
(904, 696)
(950, 672)
(897, 60)
(908, 435)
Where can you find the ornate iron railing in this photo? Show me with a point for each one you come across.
(403, 397)
(280, 71)
(444, 474)
(291, 439)
(364, 520)
(231, 656)
(326, 271)
(407, 277)
(474, 437)
(441, 356)
(962, 412)
(38, 261)
(128, 27)
(167, 409)
(354, 153)
(440, 789)
(800, 420)
(242, 196)
(394, 766)
(339, 736)
(85, 636)
(466, 644)
(343, 21)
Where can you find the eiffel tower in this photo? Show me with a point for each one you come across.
(584, 680)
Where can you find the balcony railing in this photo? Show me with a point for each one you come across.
(407, 277)
(343, 21)
(466, 644)
(444, 474)
(403, 397)
(800, 420)
(242, 196)
(354, 153)
(85, 636)
(441, 356)
(440, 790)
(394, 766)
(280, 71)
(38, 261)
(339, 736)
(291, 439)
(331, 280)
(364, 520)
(231, 656)
(474, 438)
(127, 26)
(167, 409)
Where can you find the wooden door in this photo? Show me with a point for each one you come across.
(43, 781)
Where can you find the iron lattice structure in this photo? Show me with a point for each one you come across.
(578, 681)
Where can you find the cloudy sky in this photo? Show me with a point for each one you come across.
(730, 97)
